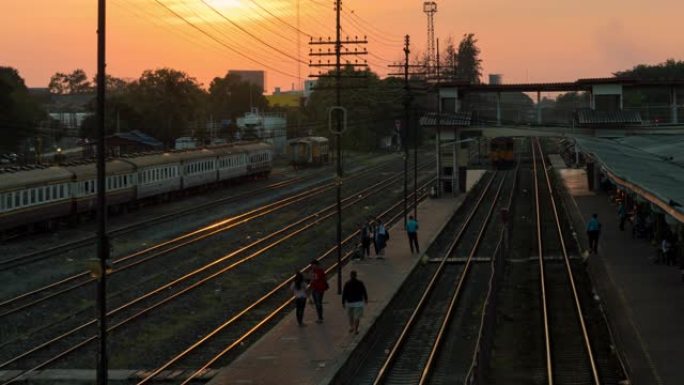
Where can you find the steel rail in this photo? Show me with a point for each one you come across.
(542, 278)
(275, 312)
(174, 244)
(568, 268)
(40, 255)
(436, 345)
(202, 233)
(317, 219)
(490, 285)
(414, 315)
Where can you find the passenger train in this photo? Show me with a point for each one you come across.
(43, 195)
(502, 152)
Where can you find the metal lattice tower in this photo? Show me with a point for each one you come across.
(430, 8)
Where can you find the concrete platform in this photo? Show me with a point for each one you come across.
(289, 354)
(643, 301)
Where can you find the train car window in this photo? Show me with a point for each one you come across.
(55, 192)
(85, 187)
(48, 190)
(2, 202)
(61, 191)
(8, 202)
(41, 195)
(33, 196)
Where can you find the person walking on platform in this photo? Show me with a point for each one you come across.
(593, 232)
(366, 233)
(412, 232)
(299, 290)
(318, 286)
(622, 215)
(381, 237)
(354, 298)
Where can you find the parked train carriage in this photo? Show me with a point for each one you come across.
(28, 197)
(197, 168)
(310, 150)
(119, 184)
(157, 174)
(299, 151)
(231, 162)
(319, 149)
(502, 152)
(260, 158)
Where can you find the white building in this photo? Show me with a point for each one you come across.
(269, 127)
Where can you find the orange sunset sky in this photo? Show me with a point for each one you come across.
(525, 40)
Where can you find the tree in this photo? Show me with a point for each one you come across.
(20, 114)
(652, 103)
(372, 104)
(468, 62)
(166, 103)
(230, 97)
(449, 59)
(73, 83)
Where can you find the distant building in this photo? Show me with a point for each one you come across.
(309, 87)
(254, 77)
(495, 78)
(130, 142)
(269, 127)
(291, 99)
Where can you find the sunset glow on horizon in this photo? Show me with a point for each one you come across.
(531, 40)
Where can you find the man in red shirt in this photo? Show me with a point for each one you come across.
(318, 285)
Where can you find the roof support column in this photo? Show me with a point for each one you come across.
(539, 116)
(498, 108)
(673, 98)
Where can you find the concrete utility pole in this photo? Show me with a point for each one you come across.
(338, 42)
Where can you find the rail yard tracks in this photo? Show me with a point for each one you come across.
(140, 310)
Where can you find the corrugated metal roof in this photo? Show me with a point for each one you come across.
(459, 119)
(140, 137)
(667, 147)
(642, 167)
(616, 118)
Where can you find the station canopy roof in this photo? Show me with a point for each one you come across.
(654, 163)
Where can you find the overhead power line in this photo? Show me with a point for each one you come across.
(281, 20)
(221, 42)
(252, 35)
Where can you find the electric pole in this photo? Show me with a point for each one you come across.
(405, 132)
(102, 241)
(339, 111)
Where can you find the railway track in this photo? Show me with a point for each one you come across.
(37, 296)
(433, 346)
(421, 324)
(569, 353)
(277, 302)
(141, 310)
(40, 255)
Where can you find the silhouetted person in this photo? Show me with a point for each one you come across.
(318, 287)
(593, 232)
(412, 232)
(354, 298)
